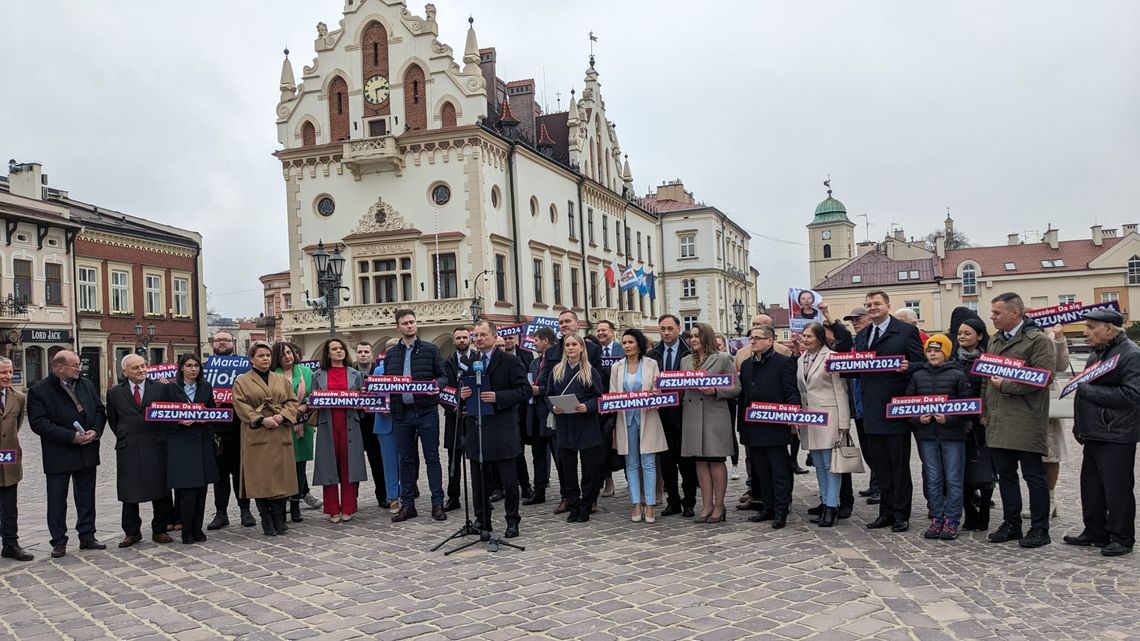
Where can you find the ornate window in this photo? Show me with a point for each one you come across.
(969, 280)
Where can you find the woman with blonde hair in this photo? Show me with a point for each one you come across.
(577, 431)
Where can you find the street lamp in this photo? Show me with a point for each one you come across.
(330, 268)
(476, 309)
(738, 310)
(144, 337)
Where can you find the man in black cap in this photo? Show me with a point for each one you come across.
(860, 319)
(1108, 427)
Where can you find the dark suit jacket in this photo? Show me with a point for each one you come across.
(877, 388)
(190, 459)
(527, 357)
(554, 354)
(51, 414)
(670, 416)
(772, 381)
(140, 447)
(537, 411)
(453, 367)
(500, 438)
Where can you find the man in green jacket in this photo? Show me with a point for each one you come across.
(1016, 416)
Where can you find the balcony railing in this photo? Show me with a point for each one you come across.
(382, 316)
(13, 307)
(372, 155)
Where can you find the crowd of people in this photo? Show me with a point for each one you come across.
(548, 399)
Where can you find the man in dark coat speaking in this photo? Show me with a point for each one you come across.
(140, 452)
(504, 388)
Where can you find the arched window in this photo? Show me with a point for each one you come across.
(338, 110)
(415, 102)
(308, 135)
(827, 251)
(1134, 270)
(447, 115)
(969, 280)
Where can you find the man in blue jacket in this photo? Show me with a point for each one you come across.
(416, 415)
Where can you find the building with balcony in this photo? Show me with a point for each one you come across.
(439, 183)
(277, 300)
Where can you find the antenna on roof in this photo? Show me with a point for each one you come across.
(867, 225)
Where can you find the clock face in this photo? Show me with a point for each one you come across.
(376, 89)
(826, 234)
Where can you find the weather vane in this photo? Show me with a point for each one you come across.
(827, 183)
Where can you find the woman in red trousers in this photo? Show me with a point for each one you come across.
(339, 461)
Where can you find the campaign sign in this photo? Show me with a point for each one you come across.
(528, 330)
(176, 412)
(221, 371)
(352, 399)
(1012, 368)
(1067, 313)
(398, 385)
(621, 401)
(914, 406)
(1090, 373)
(449, 396)
(784, 413)
(312, 365)
(9, 457)
(692, 379)
(856, 362)
(162, 371)
(510, 330)
(610, 361)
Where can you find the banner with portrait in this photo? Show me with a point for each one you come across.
(804, 306)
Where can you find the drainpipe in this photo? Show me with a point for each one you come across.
(514, 231)
(582, 242)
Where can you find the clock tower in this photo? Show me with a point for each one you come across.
(831, 237)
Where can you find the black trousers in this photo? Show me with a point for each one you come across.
(889, 456)
(772, 477)
(162, 513)
(671, 463)
(846, 493)
(1108, 502)
(83, 483)
(302, 481)
(191, 508)
(9, 531)
(506, 471)
(1005, 464)
(581, 497)
(229, 465)
(872, 480)
(540, 450)
(375, 461)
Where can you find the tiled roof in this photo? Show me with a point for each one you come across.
(877, 270)
(670, 205)
(780, 317)
(1075, 254)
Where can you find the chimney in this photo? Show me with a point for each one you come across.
(1051, 237)
(1128, 228)
(900, 235)
(26, 179)
(1013, 239)
(1097, 235)
(940, 246)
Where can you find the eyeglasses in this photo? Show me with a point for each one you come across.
(760, 338)
(192, 366)
(223, 340)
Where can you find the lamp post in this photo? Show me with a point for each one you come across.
(330, 268)
(476, 309)
(738, 310)
(144, 337)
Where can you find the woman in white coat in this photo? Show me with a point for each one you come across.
(638, 434)
(821, 391)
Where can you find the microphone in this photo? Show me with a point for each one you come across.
(477, 366)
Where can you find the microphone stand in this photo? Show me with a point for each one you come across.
(468, 526)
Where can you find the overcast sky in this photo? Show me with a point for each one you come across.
(1014, 114)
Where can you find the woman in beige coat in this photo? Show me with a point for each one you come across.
(821, 391)
(706, 422)
(266, 406)
(638, 434)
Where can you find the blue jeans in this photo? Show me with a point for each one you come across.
(945, 465)
(829, 483)
(390, 453)
(640, 469)
(407, 426)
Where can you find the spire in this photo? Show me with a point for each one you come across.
(288, 85)
(471, 57)
(626, 174)
(572, 110)
(506, 118)
(545, 142)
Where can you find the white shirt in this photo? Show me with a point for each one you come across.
(1013, 332)
(140, 387)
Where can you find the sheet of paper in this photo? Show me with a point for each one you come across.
(568, 403)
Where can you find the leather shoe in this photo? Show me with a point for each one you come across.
(438, 513)
(247, 519)
(816, 511)
(779, 522)
(1084, 539)
(130, 540)
(451, 505)
(58, 551)
(844, 512)
(220, 521)
(161, 537)
(881, 522)
(563, 507)
(900, 526)
(91, 544)
(1116, 548)
(1035, 538)
(199, 537)
(670, 510)
(868, 492)
(1004, 533)
(15, 552)
(688, 513)
(874, 499)
(760, 517)
(526, 492)
(496, 496)
(405, 513)
(385, 504)
(796, 469)
(537, 498)
(511, 532)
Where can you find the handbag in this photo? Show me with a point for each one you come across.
(1061, 408)
(846, 457)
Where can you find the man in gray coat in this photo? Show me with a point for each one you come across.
(1016, 416)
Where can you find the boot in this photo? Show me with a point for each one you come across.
(295, 511)
(538, 497)
(827, 519)
(263, 510)
(277, 510)
(247, 517)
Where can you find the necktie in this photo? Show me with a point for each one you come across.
(138, 396)
(874, 337)
(3, 395)
(668, 358)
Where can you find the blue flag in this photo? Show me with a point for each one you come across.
(650, 284)
(642, 287)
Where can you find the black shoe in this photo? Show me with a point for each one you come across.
(538, 497)
(900, 526)
(844, 512)
(405, 513)
(827, 519)
(796, 469)
(670, 510)
(583, 517)
(816, 511)
(247, 519)
(199, 537)
(880, 523)
(1035, 538)
(688, 513)
(15, 552)
(572, 517)
(295, 511)
(383, 504)
(496, 496)
(220, 521)
(438, 513)
(779, 522)
(875, 499)
(1085, 540)
(91, 544)
(868, 492)
(59, 551)
(267, 527)
(416, 492)
(451, 505)
(187, 538)
(526, 492)
(1116, 549)
(277, 511)
(1005, 532)
(511, 532)
(762, 516)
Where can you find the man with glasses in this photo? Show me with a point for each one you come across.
(65, 411)
(228, 455)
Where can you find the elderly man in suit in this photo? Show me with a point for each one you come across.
(887, 446)
(65, 411)
(13, 409)
(140, 452)
(494, 441)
